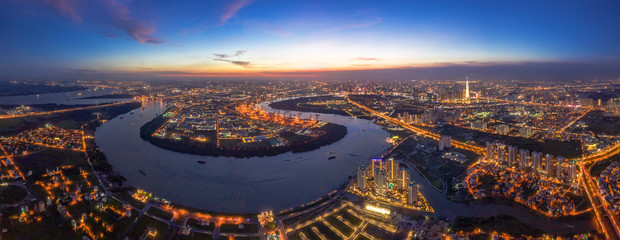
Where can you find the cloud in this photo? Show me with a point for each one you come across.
(66, 9)
(141, 31)
(232, 9)
(224, 58)
(239, 53)
(112, 14)
(238, 63)
(367, 59)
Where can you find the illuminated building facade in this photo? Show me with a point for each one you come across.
(387, 179)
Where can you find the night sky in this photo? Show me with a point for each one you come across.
(153, 39)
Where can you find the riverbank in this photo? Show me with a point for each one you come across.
(329, 133)
(8, 89)
(319, 104)
(109, 96)
(242, 185)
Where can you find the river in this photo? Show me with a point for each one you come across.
(68, 98)
(239, 185)
(261, 183)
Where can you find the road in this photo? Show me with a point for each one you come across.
(441, 204)
(605, 219)
(62, 110)
(457, 144)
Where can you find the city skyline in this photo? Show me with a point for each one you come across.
(143, 40)
(309, 120)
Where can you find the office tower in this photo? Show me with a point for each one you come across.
(549, 164)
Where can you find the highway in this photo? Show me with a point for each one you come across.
(605, 219)
(457, 144)
(62, 110)
(602, 155)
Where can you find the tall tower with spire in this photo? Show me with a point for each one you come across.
(466, 87)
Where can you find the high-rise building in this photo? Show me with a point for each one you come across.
(525, 132)
(391, 169)
(361, 178)
(445, 142)
(490, 151)
(467, 87)
(381, 183)
(412, 193)
(586, 102)
(377, 165)
(480, 125)
(512, 155)
(524, 158)
(502, 129)
(558, 172)
(573, 170)
(404, 178)
(440, 144)
(501, 152)
(536, 160)
(549, 164)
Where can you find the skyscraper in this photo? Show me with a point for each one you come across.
(501, 153)
(390, 169)
(381, 183)
(536, 160)
(490, 151)
(549, 164)
(404, 178)
(361, 178)
(558, 173)
(512, 155)
(524, 157)
(467, 87)
(573, 170)
(412, 191)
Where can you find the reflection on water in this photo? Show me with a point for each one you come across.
(255, 184)
(234, 184)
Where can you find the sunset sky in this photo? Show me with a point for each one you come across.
(145, 39)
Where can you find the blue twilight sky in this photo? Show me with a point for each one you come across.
(144, 39)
